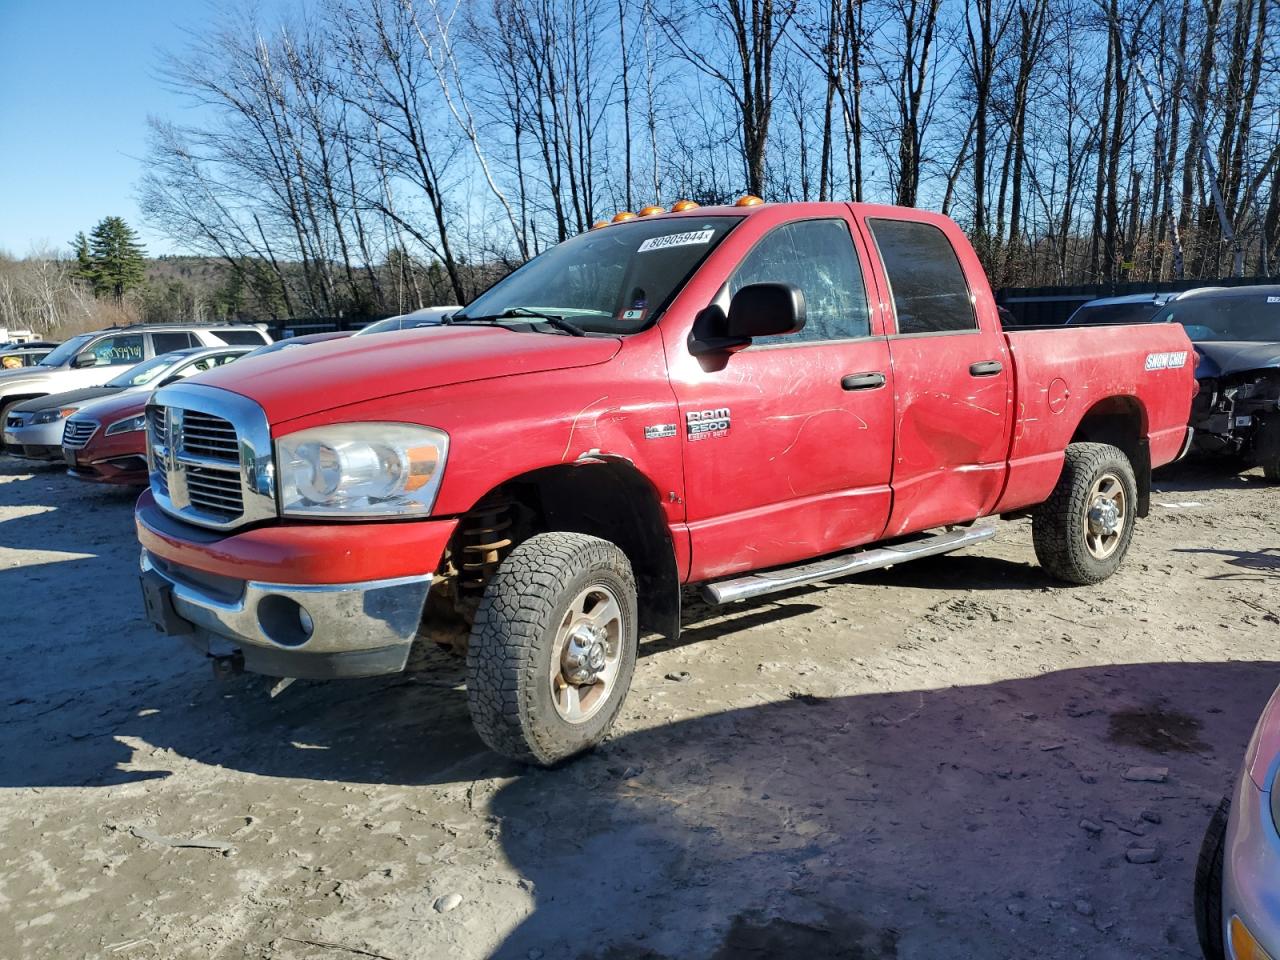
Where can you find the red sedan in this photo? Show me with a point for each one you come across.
(107, 441)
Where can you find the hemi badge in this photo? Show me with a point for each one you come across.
(658, 431)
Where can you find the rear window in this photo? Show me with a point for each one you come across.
(168, 342)
(241, 338)
(930, 292)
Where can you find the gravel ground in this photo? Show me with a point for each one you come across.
(926, 762)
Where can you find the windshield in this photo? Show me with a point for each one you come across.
(65, 352)
(145, 372)
(613, 280)
(1255, 316)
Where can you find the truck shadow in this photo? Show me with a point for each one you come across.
(1258, 565)
(927, 823)
(1197, 474)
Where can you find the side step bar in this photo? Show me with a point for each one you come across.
(860, 561)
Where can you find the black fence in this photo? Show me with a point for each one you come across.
(1044, 306)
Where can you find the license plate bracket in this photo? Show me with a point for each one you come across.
(157, 596)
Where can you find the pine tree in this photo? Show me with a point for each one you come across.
(117, 260)
(84, 260)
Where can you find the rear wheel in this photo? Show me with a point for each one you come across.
(1268, 449)
(1208, 903)
(553, 649)
(1082, 532)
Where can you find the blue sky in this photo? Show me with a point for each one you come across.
(77, 81)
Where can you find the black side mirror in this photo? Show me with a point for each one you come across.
(757, 310)
(766, 310)
(84, 360)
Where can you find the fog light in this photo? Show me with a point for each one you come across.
(304, 618)
(1243, 944)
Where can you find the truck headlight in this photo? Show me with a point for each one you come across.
(53, 416)
(361, 470)
(128, 425)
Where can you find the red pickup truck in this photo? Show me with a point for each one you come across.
(746, 398)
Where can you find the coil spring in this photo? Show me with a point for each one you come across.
(486, 541)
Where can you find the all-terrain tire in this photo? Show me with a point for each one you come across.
(1208, 902)
(511, 646)
(1268, 449)
(1058, 525)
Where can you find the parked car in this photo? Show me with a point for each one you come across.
(301, 341)
(715, 397)
(424, 317)
(34, 428)
(104, 440)
(15, 358)
(92, 359)
(1237, 893)
(1132, 308)
(1236, 332)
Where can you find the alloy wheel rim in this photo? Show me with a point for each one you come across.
(1105, 518)
(587, 654)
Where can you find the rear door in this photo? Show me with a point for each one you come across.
(787, 442)
(951, 375)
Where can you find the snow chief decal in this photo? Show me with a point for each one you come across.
(705, 424)
(1166, 361)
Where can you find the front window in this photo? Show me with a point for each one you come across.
(1253, 316)
(116, 351)
(614, 280)
(144, 373)
(62, 354)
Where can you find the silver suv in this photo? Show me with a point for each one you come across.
(91, 359)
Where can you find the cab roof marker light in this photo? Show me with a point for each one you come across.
(623, 216)
(748, 201)
(652, 211)
(599, 223)
(680, 206)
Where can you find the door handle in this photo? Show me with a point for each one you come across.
(988, 368)
(862, 381)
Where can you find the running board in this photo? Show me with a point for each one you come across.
(876, 558)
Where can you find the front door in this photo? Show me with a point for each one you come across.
(788, 442)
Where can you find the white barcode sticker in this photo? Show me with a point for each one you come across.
(690, 239)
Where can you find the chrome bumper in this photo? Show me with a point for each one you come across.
(302, 630)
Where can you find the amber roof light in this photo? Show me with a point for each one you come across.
(652, 211)
(748, 201)
(680, 206)
(623, 216)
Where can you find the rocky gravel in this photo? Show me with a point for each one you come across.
(955, 758)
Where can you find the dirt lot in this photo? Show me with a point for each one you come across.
(924, 763)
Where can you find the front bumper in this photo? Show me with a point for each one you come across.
(120, 458)
(37, 441)
(312, 631)
(1251, 866)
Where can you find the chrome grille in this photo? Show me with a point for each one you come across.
(215, 491)
(208, 436)
(78, 432)
(209, 455)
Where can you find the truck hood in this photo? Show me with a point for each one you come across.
(69, 399)
(1222, 358)
(324, 376)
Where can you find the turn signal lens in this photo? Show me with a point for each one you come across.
(748, 201)
(1243, 944)
(623, 216)
(651, 211)
(680, 206)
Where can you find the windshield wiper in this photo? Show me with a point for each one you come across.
(522, 313)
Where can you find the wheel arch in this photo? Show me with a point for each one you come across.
(612, 499)
(1121, 421)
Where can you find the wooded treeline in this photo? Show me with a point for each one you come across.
(370, 156)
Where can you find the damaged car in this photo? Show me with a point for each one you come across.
(1236, 334)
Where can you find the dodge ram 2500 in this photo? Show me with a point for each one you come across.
(746, 398)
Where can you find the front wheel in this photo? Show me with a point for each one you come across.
(553, 648)
(1208, 890)
(1082, 532)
